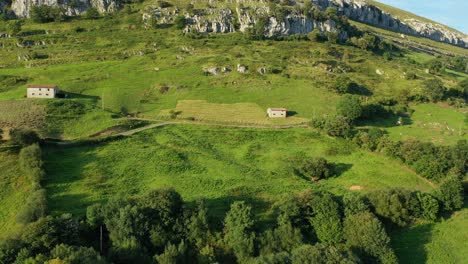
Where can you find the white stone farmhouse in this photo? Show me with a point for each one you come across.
(42, 91)
(277, 112)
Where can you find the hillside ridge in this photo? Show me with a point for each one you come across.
(233, 15)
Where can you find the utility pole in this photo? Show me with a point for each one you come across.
(100, 239)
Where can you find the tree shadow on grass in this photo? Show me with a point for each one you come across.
(387, 122)
(409, 243)
(340, 168)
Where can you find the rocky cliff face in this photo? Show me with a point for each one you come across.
(21, 8)
(224, 20)
(362, 11)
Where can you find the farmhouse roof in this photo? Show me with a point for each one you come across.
(42, 86)
(278, 109)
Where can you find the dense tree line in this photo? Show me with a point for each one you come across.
(161, 228)
(310, 227)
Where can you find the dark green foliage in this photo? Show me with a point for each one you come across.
(369, 140)
(315, 168)
(450, 193)
(337, 126)
(45, 13)
(257, 32)
(92, 13)
(435, 66)
(332, 37)
(180, 22)
(238, 230)
(315, 35)
(464, 87)
(394, 206)
(366, 42)
(349, 107)
(321, 254)
(429, 206)
(342, 84)
(8, 81)
(367, 237)
(35, 207)
(23, 137)
(30, 159)
(434, 90)
(284, 237)
(326, 219)
(354, 204)
(76, 255)
(173, 254)
(14, 27)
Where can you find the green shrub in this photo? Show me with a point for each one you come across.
(315, 169)
(434, 90)
(45, 13)
(180, 22)
(450, 193)
(23, 137)
(349, 107)
(92, 13)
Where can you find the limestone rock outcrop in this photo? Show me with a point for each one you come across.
(22, 8)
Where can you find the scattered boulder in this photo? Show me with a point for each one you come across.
(226, 70)
(241, 68)
(262, 70)
(211, 70)
(379, 72)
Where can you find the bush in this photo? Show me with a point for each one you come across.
(450, 193)
(434, 90)
(336, 126)
(180, 22)
(315, 169)
(45, 13)
(92, 13)
(349, 107)
(23, 137)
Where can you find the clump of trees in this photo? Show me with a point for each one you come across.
(314, 168)
(46, 13)
(310, 227)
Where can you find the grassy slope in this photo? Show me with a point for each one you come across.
(13, 192)
(430, 122)
(103, 64)
(442, 242)
(218, 164)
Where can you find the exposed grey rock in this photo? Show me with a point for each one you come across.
(22, 8)
(211, 70)
(262, 70)
(362, 11)
(241, 68)
(226, 70)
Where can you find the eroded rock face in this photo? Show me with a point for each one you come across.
(22, 8)
(360, 10)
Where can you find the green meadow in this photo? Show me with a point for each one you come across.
(14, 188)
(217, 164)
(441, 242)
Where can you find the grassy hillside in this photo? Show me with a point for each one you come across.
(218, 164)
(114, 64)
(444, 242)
(14, 188)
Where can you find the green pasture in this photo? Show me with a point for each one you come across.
(216, 164)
